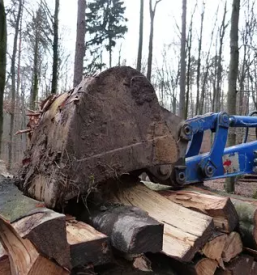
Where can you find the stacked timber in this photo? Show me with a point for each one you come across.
(131, 230)
(232, 248)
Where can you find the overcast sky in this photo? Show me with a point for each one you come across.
(167, 16)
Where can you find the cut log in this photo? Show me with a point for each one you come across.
(130, 229)
(215, 246)
(108, 125)
(5, 268)
(246, 209)
(45, 228)
(240, 265)
(185, 231)
(203, 266)
(233, 247)
(221, 209)
(24, 258)
(87, 246)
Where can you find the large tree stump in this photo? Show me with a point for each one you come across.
(109, 125)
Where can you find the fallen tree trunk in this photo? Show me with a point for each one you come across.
(185, 231)
(129, 228)
(109, 125)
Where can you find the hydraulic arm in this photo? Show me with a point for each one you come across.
(220, 162)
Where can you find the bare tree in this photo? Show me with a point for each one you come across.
(232, 78)
(199, 61)
(152, 9)
(55, 48)
(80, 42)
(189, 57)
(13, 81)
(3, 47)
(217, 94)
(141, 34)
(182, 112)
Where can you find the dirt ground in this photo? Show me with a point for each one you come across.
(247, 189)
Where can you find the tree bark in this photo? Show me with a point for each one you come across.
(199, 63)
(34, 88)
(3, 47)
(141, 36)
(129, 229)
(80, 43)
(13, 84)
(183, 62)
(55, 48)
(217, 99)
(232, 80)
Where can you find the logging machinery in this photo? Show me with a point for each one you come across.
(112, 124)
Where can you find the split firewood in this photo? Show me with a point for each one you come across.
(23, 256)
(240, 265)
(203, 266)
(215, 246)
(233, 247)
(87, 245)
(45, 228)
(130, 229)
(185, 231)
(220, 208)
(5, 268)
(246, 209)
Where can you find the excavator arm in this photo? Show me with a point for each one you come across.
(220, 162)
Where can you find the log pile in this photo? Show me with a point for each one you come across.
(131, 230)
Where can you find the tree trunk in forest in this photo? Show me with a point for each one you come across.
(80, 43)
(183, 63)
(141, 34)
(199, 63)
(55, 48)
(223, 27)
(3, 47)
(232, 80)
(189, 46)
(34, 88)
(13, 85)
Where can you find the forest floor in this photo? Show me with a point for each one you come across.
(247, 189)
